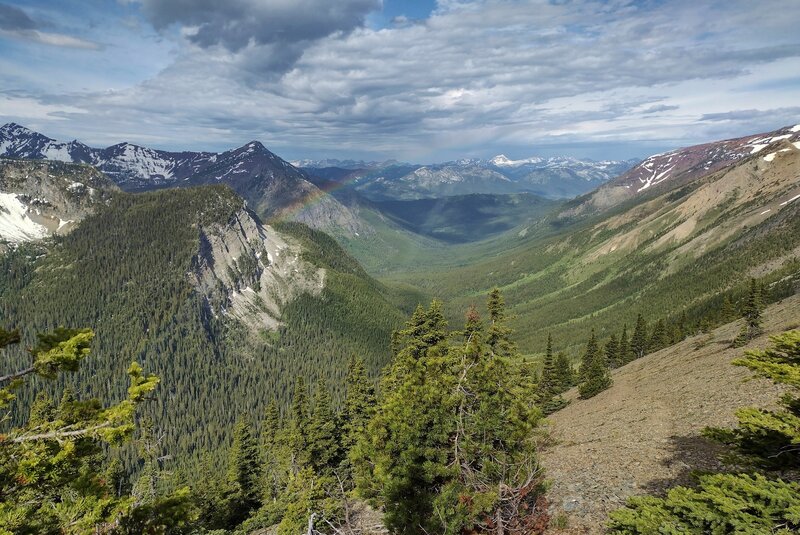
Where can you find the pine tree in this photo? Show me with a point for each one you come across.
(680, 330)
(244, 473)
(297, 431)
(272, 434)
(751, 314)
(323, 433)
(625, 351)
(399, 463)
(549, 383)
(272, 425)
(770, 437)
(752, 310)
(564, 372)
(612, 352)
(758, 502)
(450, 434)
(659, 338)
(51, 468)
(639, 338)
(727, 310)
(498, 335)
(43, 410)
(589, 356)
(596, 378)
(359, 403)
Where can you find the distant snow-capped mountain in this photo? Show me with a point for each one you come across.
(554, 177)
(342, 164)
(272, 186)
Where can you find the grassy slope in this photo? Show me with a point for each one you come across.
(643, 434)
(673, 252)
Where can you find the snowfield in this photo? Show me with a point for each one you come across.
(15, 224)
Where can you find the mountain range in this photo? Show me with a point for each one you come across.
(274, 188)
(229, 309)
(554, 177)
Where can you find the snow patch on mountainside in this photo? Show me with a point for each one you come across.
(15, 223)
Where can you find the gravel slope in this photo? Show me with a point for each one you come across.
(643, 434)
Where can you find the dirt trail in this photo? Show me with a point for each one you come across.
(643, 434)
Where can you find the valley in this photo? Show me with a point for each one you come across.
(399, 267)
(255, 290)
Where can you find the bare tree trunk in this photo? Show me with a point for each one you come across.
(311, 524)
(499, 527)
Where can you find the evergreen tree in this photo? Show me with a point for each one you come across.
(52, 464)
(359, 403)
(589, 356)
(244, 473)
(324, 445)
(752, 310)
(451, 432)
(612, 352)
(272, 434)
(596, 378)
(680, 329)
(625, 351)
(43, 410)
(659, 338)
(727, 310)
(639, 338)
(401, 461)
(564, 372)
(549, 385)
(746, 502)
(272, 425)
(297, 432)
(770, 437)
(499, 334)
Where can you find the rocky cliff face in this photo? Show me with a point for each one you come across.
(248, 271)
(41, 198)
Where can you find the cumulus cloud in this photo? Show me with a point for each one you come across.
(13, 18)
(275, 31)
(14, 22)
(474, 77)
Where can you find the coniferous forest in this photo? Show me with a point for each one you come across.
(399, 267)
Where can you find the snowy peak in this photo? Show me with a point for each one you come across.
(501, 160)
(271, 185)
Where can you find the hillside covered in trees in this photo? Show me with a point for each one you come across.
(129, 272)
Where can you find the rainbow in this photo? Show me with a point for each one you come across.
(315, 197)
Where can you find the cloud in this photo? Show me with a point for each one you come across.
(13, 18)
(476, 77)
(15, 23)
(752, 115)
(659, 108)
(275, 31)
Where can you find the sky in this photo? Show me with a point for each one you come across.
(414, 80)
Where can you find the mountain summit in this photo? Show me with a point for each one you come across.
(272, 186)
